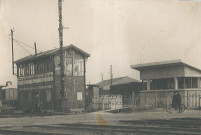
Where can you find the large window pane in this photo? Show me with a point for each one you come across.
(78, 67)
(168, 83)
(194, 82)
(68, 68)
(157, 84)
(188, 82)
(181, 83)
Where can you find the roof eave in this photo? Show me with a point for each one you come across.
(144, 66)
(34, 57)
(80, 50)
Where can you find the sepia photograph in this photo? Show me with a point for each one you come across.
(100, 67)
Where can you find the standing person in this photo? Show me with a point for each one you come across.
(178, 98)
(36, 108)
(174, 101)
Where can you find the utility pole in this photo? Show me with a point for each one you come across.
(12, 52)
(111, 75)
(61, 52)
(102, 77)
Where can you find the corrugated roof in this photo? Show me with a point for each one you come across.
(49, 53)
(162, 64)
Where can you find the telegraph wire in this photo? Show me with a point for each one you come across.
(26, 45)
(23, 43)
(22, 47)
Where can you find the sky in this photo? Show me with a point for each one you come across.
(115, 32)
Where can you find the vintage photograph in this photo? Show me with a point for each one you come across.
(100, 67)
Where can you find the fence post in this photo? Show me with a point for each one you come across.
(133, 100)
(156, 99)
(145, 100)
(199, 101)
(102, 104)
(115, 103)
(99, 104)
(187, 100)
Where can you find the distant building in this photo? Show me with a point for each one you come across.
(120, 91)
(91, 93)
(163, 78)
(9, 94)
(40, 75)
(104, 86)
(129, 89)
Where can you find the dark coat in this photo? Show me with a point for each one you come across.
(176, 100)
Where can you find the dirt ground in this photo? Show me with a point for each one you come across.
(95, 118)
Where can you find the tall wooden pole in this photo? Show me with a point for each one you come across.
(12, 51)
(85, 59)
(61, 49)
(111, 75)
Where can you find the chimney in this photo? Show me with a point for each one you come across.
(35, 48)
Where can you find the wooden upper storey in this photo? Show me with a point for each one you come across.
(47, 62)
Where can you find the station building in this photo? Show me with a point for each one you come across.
(39, 74)
(163, 78)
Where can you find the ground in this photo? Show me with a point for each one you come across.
(96, 118)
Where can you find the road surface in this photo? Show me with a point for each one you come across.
(142, 123)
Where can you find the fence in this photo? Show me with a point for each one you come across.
(147, 100)
(153, 99)
(107, 102)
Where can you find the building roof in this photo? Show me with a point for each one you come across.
(126, 80)
(51, 52)
(105, 84)
(92, 85)
(162, 64)
(108, 82)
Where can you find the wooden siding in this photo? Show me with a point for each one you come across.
(72, 84)
(151, 99)
(36, 82)
(46, 81)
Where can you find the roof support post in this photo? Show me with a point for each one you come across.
(198, 82)
(175, 83)
(148, 84)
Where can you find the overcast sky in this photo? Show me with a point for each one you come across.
(115, 32)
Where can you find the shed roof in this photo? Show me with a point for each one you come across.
(116, 81)
(162, 64)
(126, 80)
(50, 52)
(108, 82)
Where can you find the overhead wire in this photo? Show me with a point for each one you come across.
(22, 47)
(26, 45)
